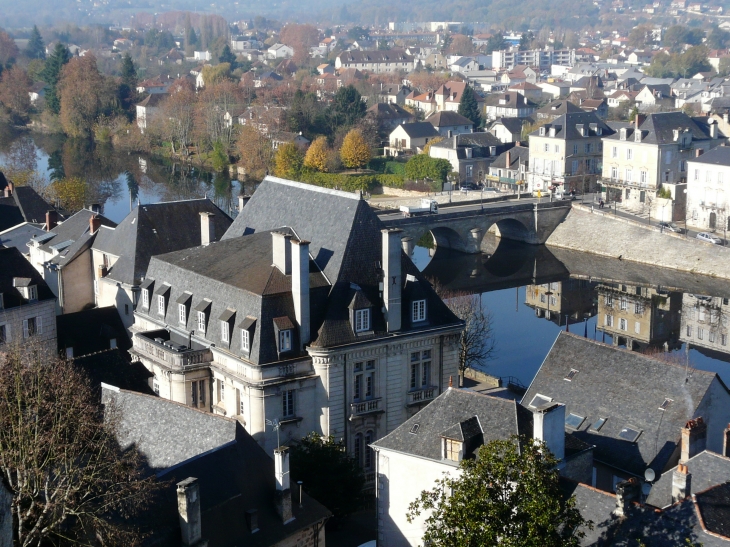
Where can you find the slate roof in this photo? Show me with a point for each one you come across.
(76, 230)
(566, 126)
(498, 418)
(512, 98)
(448, 118)
(389, 111)
(519, 155)
(659, 128)
(627, 388)
(513, 125)
(25, 205)
(707, 468)
(154, 229)
(714, 508)
(89, 331)
(377, 56)
(717, 156)
(14, 264)
(153, 100)
(419, 130)
(19, 236)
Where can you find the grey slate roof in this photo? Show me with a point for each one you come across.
(19, 236)
(377, 56)
(448, 118)
(25, 205)
(707, 468)
(154, 229)
(714, 508)
(566, 126)
(513, 125)
(419, 130)
(75, 230)
(14, 264)
(717, 156)
(659, 128)
(498, 418)
(519, 155)
(389, 111)
(627, 388)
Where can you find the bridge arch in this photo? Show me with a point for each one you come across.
(508, 228)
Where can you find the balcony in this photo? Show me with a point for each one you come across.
(422, 395)
(371, 406)
(619, 183)
(170, 349)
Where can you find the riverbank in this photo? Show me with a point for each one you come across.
(603, 234)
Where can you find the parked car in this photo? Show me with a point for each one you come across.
(706, 236)
(671, 226)
(468, 186)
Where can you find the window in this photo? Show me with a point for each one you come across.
(702, 314)
(362, 320)
(723, 339)
(614, 152)
(418, 311)
(642, 176)
(571, 375)
(201, 392)
(425, 373)
(553, 301)
(712, 336)
(547, 147)
(160, 304)
(697, 174)
(629, 434)
(628, 175)
(194, 393)
(358, 448)
(668, 157)
(368, 460)
(112, 343)
(638, 308)
(614, 173)
(608, 300)
(245, 340)
(32, 293)
(225, 334)
(145, 298)
(624, 303)
(629, 154)
(665, 404)
(287, 399)
(156, 386)
(637, 327)
(557, 149)
(574, 421)
(543, 298)
(452, 449)
(701, 334)
(32, 326)
(414, 429)
(575, 149)
(623, 324)
(221, 391)
(608, 321)
(285, 340)
(588, 148)
(182, 314)
(240, 406)
(539, 400)
(201, 321)
(689, 331)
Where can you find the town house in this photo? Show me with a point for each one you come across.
(708, 205)
(508, 105)
(376, 62)
(306, 316)
(470, 154)
(410, 137)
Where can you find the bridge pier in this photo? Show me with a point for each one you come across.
(474, 245)
(408, 245)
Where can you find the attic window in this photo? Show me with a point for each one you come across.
(414, 428)
(574, 421)
(571, 375)
(362, 320)
(665, 404)
(542, 131)
(598, 424)
(539, 400)
(629, 434)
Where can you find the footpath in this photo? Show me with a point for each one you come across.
(601, 232)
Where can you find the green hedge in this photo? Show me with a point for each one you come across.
(351, 183)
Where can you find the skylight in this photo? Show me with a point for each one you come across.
(414, 428)
(629, 434)
(571, 374)
(598, 424)
(665, 404)
(574, 421)
(539, 400)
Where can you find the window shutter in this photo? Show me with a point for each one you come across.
(25, 328)
(39, 324)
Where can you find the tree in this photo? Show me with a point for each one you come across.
(255, 151)
(717, 38)
(316, 156)
(355, 152)
(508, 495)
(469, 107)
(227, 56)
(85, 94)
(300, 37)
(328, 474)
(461, 45)
(496, 42)
(14, 87)
(35, 49)
(422, 166)
(288, 161)
(526, 40)
(347, 106)
(216, 74)
(640, 36)
(429, 144)
(128, 72)
(71, 193)
(52, 74)
(8, 50)
(69, 480)
(175, 124)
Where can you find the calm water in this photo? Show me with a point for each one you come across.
(531, 292)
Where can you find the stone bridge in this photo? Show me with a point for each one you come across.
(463, 228)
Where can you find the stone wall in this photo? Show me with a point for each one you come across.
(603, 234)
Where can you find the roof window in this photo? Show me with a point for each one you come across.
(630, 434)
(539, 400)
(574, 421)
(571, 375)
(665, 404)
(414, 428)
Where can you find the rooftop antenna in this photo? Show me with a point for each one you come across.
(276, 425)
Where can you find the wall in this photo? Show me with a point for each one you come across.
(77, 283)
(715, 410)
(306, 537)
(13, 318)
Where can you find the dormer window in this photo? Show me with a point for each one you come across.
(201, 322)
(161, 304)
(285, 340)
(183, 307)
(362, 320)
(542, 131)
(418, 311)
(637, 136)
(452, 450)
(622, 134)
(31, 293)
(284, 329)
(202, 315)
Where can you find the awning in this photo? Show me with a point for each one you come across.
(247, 323)
(227, 314)
(203, 305)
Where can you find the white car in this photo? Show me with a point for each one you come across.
(705, 236)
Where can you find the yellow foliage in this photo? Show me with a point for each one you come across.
(355, 151)
(288, 161)
(316, 157)
(71, 193)
(427, 148)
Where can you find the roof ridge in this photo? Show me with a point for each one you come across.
(313, 188)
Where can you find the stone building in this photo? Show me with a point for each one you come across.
(562, 302)
(307, 314)
(705, 323)
(708, 201)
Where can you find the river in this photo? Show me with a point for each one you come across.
(531, 292)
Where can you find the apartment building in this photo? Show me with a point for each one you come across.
(708, 190)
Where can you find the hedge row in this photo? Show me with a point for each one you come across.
(351, 183)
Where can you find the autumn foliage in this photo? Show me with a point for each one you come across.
(316, 157)
(355, 151)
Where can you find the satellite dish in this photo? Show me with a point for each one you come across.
(649, 474)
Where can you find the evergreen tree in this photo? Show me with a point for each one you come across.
(35, 48)
(227, 56)
(128, 71)
(347, 106)
(469, 107)
(51, 75)
(127, 91)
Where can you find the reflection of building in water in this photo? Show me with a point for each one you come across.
(705, 322)
(572, 301)
(639, 317)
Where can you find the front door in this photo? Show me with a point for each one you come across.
(713, 221)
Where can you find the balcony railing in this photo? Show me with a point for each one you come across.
(366, 407)
(180, 359)
(422, 395)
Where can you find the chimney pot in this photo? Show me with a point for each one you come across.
(9, 189)
(207, 228)
(188, 506)
(694, 439)
(51, 220)
(300, 288)
(392, 285)
(699, 152)
(94, 223)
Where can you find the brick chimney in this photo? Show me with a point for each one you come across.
(188, 507)
(626, 492)
(392, 282)
(282, 251)
(726, 442)
(283, 491)
(549, 427)
(300, 288)
(207, 228)
(638, 120)
(9, 189)
(694, 439)
(681, 483)
(699, 152)
(94, 223)
(51, 220)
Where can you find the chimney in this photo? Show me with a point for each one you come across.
(699, 152)
(95, 208)
(549, 427)
(456, 141)
(94, 223)
(242, 201)
(252, 520)
(300, 288)
(392, 283)
(207, 228)
(713, 128)
(726, 442)
(681, 483)
(282, 251)
(283, 492)
(188, 507)
(694, 439)
(626, 492)
(9, 189)
(51, 220)
(508, 159)
(638, 120)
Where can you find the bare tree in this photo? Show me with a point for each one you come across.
(70, 482)
(477, 344)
